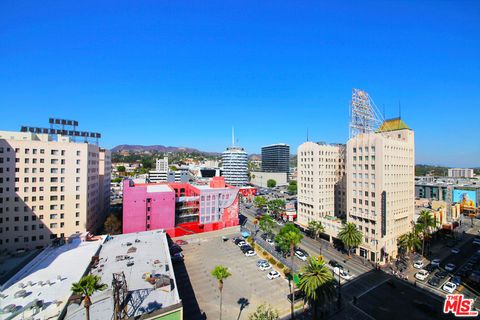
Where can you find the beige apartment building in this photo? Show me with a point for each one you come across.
(321, 185)
(50, 188)
(381, 191)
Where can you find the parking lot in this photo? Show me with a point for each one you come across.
(247, 287)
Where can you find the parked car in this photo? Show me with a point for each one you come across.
(250, 253)
(434, 281)
(449, 287)
(335, 264)
(422, 275)
(436, 262)
(300, 255)
(441, 274)
(270, 242)
(264, 236)
(455, 250)
(273, 275)
(450, 267)
(430, 267)
(342, 273)
(265, 266)
(260, 262)
(246, 248)
(418, 264)
(456, 280)
(476, 242)
(241, 243)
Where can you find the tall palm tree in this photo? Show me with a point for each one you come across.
(350, 236)
(292, 238)
(424, 224)
(316, 228)
(220, 273)
(410, 241)
(317, 283)
(86, 287)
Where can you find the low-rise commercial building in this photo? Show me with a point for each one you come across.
(179, 208)
(461, 173)
(261, 178)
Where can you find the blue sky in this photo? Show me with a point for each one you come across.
(182, 73)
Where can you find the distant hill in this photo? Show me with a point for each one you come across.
(158, 148)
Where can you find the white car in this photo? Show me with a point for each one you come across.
(436, 262)
(476, 241)
(270, 242)
(450, 267)
(300, 255)
(449, 287)
(422, 275)
(343, 274)
(455, 250)
(273, 275)
(250, 253)
(265, 266)
(418, 264)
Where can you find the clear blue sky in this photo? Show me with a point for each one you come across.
(182, 73)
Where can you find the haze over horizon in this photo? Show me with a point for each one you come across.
(182, 74)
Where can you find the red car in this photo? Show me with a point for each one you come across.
(181, 242)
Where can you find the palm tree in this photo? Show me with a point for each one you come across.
(86, 287)
(220, 273)
(410, 241)
(317, 283)
(316, 228)
(424, 223)
(292, 238)
(350, 236)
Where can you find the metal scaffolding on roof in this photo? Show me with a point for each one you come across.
(364, 114)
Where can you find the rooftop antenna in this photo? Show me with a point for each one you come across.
(307, 134)
(399, 110)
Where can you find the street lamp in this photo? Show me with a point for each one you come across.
(376, 254)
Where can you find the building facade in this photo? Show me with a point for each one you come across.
(161, 165)
(168, 176)
(50, 189)
(179, 208)
(381, 191)
(261, 178)
(276, 158)
(460, 173)
(235, 166)
(321, 185)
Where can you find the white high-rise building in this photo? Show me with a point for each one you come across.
(460, 173)
(321, 185)
(50, 189)
(235, 166)
(162, 165)
(381, 187)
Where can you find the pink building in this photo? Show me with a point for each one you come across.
(179, 208)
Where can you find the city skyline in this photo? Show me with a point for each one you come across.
(139, 76)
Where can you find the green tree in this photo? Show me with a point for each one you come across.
(86, 287)
(116, 180)
(288, 238)
(121, 169)
(317, 283)
(220, 273)
(425, 223)
(271, 183)
(292, 187)
(267, 224)
(147, 163)
(315, 228)
(350, 236)
(276, 206)
(112, 225)
(260, 202)
(264, 312)
(410, 241)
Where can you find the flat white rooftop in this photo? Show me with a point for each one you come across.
(144, 259)
(47, 278)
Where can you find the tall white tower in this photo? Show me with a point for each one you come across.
(235, 164)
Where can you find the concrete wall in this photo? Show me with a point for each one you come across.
(261, 178)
